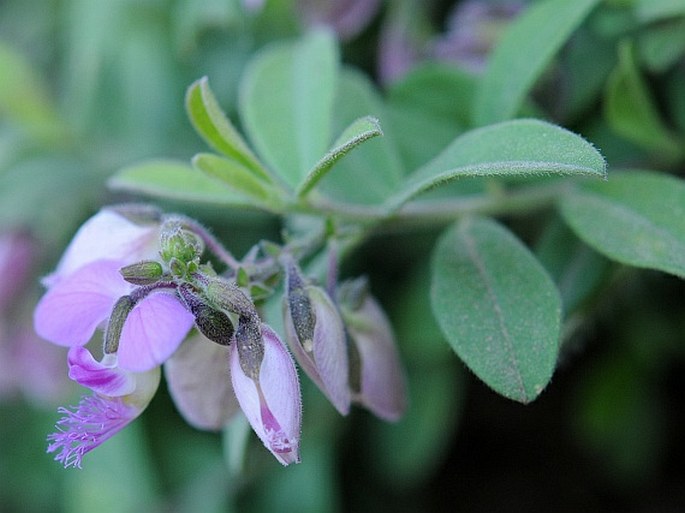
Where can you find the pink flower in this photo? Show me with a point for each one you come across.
(107, 235)
(268, 391)
(119, 398)
(378, 382)
(72, 309)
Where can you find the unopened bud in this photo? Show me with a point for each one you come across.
(177, 267)
(300, 308)
(142, 273)
(228, 296)
(316, 334)
(376, 373)
(212, 323)
(178, 243)
(250, 345)
(120, 312)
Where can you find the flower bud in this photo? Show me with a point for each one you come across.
(177, 243)
(229, 297)
(248, 339)
(142, 273)
(316, 335)
(212, 323)
(269, 394)
(120, 312)
(376, 374)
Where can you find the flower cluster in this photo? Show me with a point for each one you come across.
(138, 276)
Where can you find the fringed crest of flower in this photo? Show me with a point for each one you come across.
(87, 426)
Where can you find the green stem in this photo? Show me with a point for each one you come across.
(431, 212)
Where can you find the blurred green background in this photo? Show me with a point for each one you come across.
(89, 86)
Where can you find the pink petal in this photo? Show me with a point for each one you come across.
(326, 363)
(383, 384)
(274, 408)
(107, 236)
(101, 377)
(330, 351)
(152, 332)
(199, 382)
(70, 312)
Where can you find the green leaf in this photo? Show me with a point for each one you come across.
(174, 180)
(286, 102)
(24, 97)
(662, 45)
(497, 307)
(376, 164)
(520, 147)
(237, 178)
(424, 124)
(636, 218)
(359, 131)
(577, 269)
(655, 10)
(523, 53)
(215, 128)
(631, 112)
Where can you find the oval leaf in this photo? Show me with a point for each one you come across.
(497, 307)
(521, 147)
(522, 54)
(214, 127)
(286, 102)
(636, 218)
(175, 180)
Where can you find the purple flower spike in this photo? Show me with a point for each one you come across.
(271, 402)
(97, 418)
(152, 332)
(70, 312)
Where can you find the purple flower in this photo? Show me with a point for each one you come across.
(101, 377)
(316, 335)
(377, 376)
(107, 235)
(266, 385)
(72, 309)
(98, 417)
